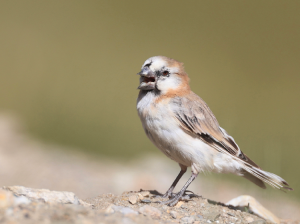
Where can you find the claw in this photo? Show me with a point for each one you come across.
(166, 195)
(181, 195)
(175, 198)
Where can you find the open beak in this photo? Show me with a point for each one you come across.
(147, 79)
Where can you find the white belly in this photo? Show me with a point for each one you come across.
(164, 131)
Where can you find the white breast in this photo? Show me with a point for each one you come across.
(163, 129)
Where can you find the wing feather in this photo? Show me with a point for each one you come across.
(196, 118)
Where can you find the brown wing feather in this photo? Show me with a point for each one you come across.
(197, 119)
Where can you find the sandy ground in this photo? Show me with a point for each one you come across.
(26, 161)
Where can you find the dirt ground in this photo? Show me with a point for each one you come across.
(43, 206)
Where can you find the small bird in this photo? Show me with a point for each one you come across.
(182, 126)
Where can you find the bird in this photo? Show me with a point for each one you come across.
(181, 125)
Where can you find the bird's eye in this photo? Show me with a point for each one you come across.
(147, 65)
(166, 73)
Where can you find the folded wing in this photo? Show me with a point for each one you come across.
(196, 119)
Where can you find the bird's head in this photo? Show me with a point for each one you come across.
(163, 74)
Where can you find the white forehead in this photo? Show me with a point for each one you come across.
(157, 63)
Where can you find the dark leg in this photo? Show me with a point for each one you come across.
(169, 192)
(173, 201)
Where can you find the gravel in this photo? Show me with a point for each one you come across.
(26, 205)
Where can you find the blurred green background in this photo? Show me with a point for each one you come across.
(67, 68)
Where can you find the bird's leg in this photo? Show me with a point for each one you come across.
(169, 192)
(173, 201)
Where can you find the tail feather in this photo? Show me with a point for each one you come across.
(254, 179)
(267, 177)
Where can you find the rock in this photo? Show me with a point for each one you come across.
(255, 207)
(141, 197)
(165, 207)
(150, 211)
(22, 200)
(213, 216)
(145, 193)
(173, 214)
(133, 199)
(198, 217)
(259, 222)
(146, 201)
(124, 210)
(45, 195)
(109, 209)
(249, 219)
(178, 205)
(84, 204)
(189, 219)
(6, 199)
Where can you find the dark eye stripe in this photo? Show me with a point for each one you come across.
(147, 65)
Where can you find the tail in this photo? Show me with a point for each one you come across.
(258, 176)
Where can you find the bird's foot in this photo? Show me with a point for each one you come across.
(175, 198)
(166, 195)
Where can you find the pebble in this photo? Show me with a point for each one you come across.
(199, 217)
(127, 211)
(150, 211)
(173, 214)
(145, 193)
(213, 216)
(165, 207)
(146, 201)
(249, 219)
(141, 197)
(121, 209)
(109, 210)
(259, 222)
(133, 199)
(231, 214)
(188, 219)
(179, 204)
